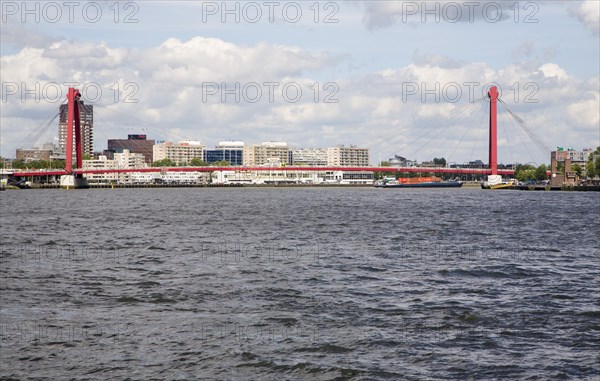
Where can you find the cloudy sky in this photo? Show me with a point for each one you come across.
(398, 77)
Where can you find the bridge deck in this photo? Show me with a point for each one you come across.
(482, 171)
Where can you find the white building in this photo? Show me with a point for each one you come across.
(184, 177)
(181, 153)
(282, 176)
(229, 144)
(145, 177)
(124, 160)
(128, 160)
(170, 178)
(267, 152)
(312, 157)
(100, 164)
(348, 156)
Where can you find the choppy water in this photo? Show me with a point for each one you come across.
(299, 284)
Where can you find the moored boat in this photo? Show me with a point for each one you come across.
(418, 182)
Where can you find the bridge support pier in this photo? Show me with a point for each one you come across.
(73, 182)
(493, 180)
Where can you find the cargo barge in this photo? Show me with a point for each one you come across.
(417, 182)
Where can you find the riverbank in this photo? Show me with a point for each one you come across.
(580, 188)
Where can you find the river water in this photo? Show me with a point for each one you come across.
(299, 284)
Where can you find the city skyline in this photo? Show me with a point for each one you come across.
(136, 145)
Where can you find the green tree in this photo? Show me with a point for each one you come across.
(540, 173)
(37, 164)
(197, 162)
(57, 164)
(19, 164)
(592, 167)
(164, 163)
(46, 164)
(525, 172)
(577, 169)
(440, 161)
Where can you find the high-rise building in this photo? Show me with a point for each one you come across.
(232, 152)
(86, 113)
(348, 156)
(265, 153)
(181, 153)
(134, 143)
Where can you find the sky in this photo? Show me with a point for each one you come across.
(402, 78)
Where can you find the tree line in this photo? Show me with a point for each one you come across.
(36, 164)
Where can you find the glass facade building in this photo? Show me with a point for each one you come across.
(233, 156)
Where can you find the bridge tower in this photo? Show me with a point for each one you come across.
(72, 179)
(494, 178)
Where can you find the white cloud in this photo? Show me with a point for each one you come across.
(585, 112)
(551, 70)
(589, 14)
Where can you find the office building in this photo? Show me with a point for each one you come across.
(137, 143)
(181, 153)
(35, 153)
(230, 151)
